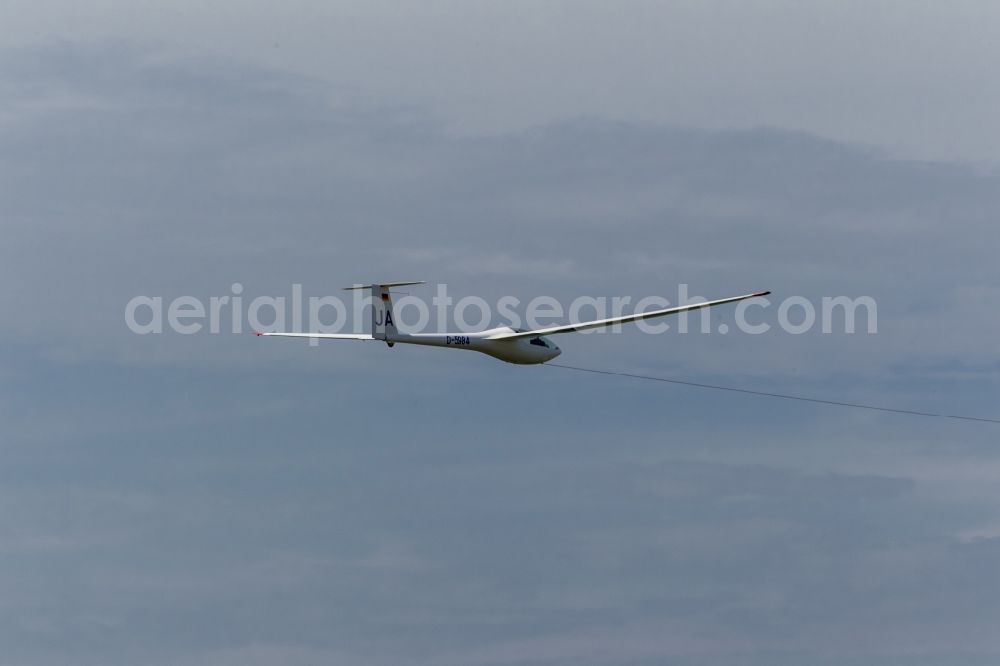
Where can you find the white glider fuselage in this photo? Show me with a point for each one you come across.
(523, 351)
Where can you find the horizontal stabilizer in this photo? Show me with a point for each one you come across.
(382, 284)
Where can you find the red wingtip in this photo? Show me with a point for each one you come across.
(762, 293)
(258, 333)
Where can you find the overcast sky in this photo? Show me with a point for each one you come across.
(223, 499)
(913, 76)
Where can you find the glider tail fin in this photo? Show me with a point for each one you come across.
(383, 318)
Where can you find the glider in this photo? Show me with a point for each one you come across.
(505, 343)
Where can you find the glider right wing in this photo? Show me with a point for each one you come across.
(599, 323)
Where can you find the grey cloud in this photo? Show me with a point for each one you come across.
(916, 77)
(372, 552)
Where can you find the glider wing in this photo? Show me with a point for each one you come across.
(323, 336)
(599, 323)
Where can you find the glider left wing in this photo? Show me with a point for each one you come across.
(323, 336)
